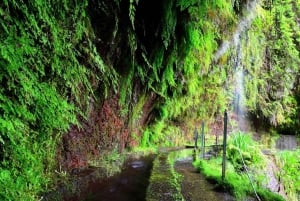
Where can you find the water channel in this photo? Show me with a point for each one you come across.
(131, 184)
(93, 185)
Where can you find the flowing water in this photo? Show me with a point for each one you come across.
(242, 27)
(131, 184)
(235, 44)
(239, 101)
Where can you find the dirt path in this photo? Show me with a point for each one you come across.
(194, 187)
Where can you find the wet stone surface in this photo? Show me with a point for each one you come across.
(287, 142)
(131, 184)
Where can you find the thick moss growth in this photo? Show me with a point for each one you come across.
(164, 181)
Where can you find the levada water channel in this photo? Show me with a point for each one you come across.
(166, 176)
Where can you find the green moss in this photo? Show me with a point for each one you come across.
(236, 179)
(274, 64)
(288, 162)
(45, 87)
(238, 184)
(269, 196)
(243, 144)
(50, 67)
(164, 179)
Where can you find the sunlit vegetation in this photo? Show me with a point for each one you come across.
(236, 183)
(289, 172)
(40, 89)
(242, 177)
(243, 150)
(273, 69)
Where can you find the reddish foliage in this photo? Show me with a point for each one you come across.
(109, 121)
(217, 126)
(103, 130)
(77, 161)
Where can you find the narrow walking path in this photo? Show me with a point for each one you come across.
(194, 186)
(173, 178)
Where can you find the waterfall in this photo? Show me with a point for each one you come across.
(235, 43)
(239, 95)
(243, 24)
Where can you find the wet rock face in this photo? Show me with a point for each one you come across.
(104, 129)
(273, 183)
(287, 142)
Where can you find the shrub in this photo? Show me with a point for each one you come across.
(241, 145)
(289, 162)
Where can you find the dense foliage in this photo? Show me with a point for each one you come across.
(273, 68)
(290, 175)
(190, 83)
(235, 183)
(243, 177)
(242, 150)
(47, 59)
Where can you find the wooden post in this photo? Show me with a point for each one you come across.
(196, 138)
(194, 154)
(203, 139)
(224, 146)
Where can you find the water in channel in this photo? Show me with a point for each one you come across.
(91, 185)
(131, 184)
